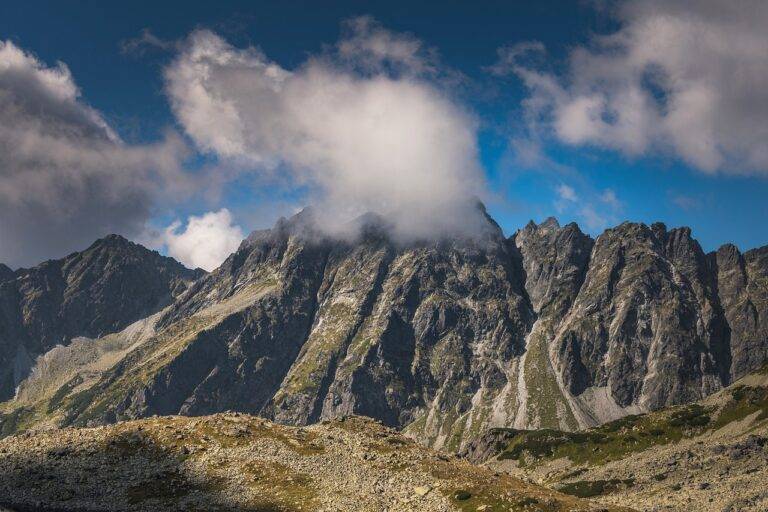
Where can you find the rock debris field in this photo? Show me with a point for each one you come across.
(237, 462)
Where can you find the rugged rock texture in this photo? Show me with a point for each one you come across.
(742, 282)
(443, 339)
(646, 329)
(555, 262)
(233, 462)
(298, 327)
(97, 291)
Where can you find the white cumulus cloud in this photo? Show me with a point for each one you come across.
(204, 242)
(366, 126)
(681, 77)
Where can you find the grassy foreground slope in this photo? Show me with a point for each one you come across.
(239, 462)
(707, 456)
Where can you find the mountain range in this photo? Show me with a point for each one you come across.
(443, 339)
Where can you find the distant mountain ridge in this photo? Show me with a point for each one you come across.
(444, 339)
(6, 273)
(100, 290)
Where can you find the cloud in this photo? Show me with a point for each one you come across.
(685, 202)
(610, 198)
(681, 77)
(594, 210)
(370, 46)
(566, 193)
(593, 220)
(205, 242)
(145, 41)
(66, 178)
(368, 125)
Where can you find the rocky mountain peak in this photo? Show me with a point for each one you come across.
(6, 273)
(550, 223)
(306, 226)
(114, 240)
(555, 260)
(742, 287)
(303, 223)
(759, 254)
(728, 253)
(659, 229)
(99, 290)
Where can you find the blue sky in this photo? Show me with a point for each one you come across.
(618, 180)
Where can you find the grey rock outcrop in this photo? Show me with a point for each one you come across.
(742, 281)
(489, 444)
(555, 261)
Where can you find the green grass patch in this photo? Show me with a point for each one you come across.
(58, 397)
(547, 443)
(470, 500)
(692, 416)
(745, 400)
(546, 400)
(612, 441)
(16, 421)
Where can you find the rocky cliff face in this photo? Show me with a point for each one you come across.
(5, 273)
(742, 283)
(91, 293)
(555, 262)
(646, 329)
(445, 339)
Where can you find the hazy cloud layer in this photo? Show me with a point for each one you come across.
(65, 177)
(684, 77)
(594, 210)
(204, 242)
(366, 125)
(145, 41)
